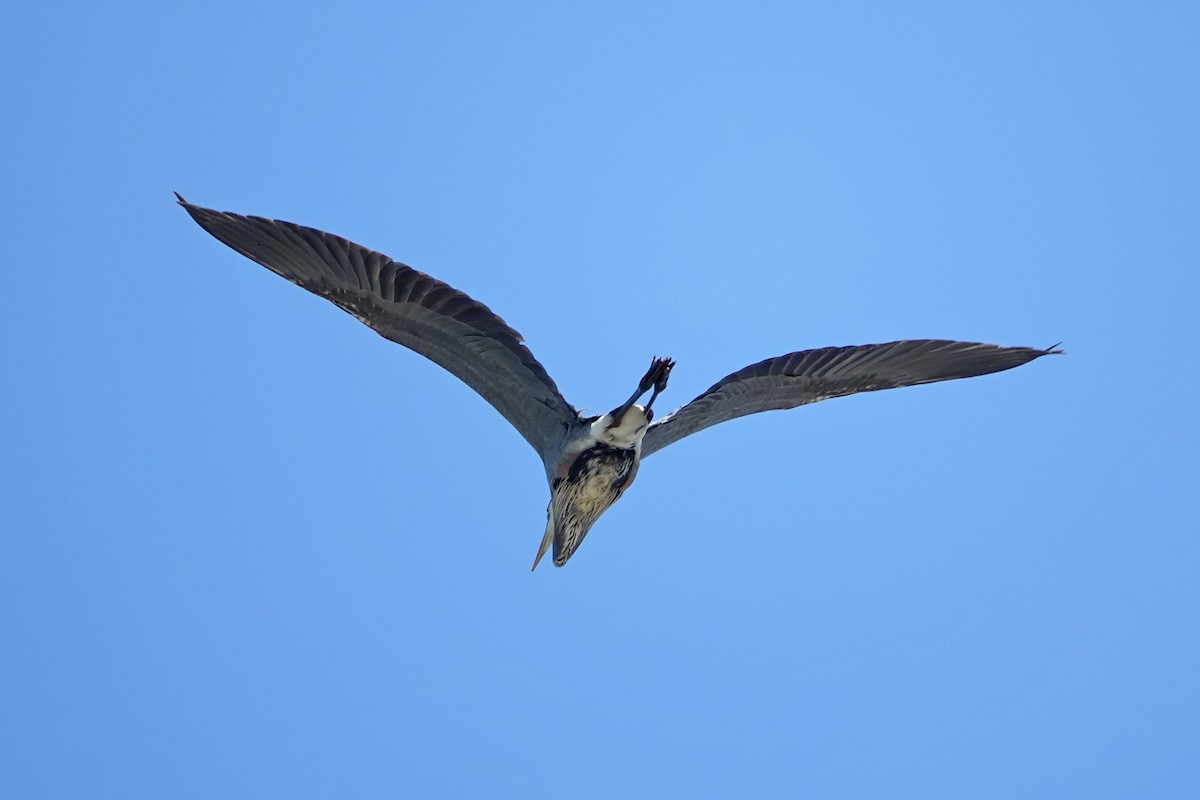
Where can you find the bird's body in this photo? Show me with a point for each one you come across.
(595, 468)
(589, 461)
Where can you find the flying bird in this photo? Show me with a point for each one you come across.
(589, 460)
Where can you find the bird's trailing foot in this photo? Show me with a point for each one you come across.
(655, 378)
(659, 372)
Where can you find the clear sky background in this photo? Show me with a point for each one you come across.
(250, 549)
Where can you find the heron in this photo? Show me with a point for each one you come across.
(590, 461)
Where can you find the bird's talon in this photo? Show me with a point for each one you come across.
(664, 372)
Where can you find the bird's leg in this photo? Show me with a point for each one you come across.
(663, 367)
(655, 378)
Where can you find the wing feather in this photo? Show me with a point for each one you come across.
(808, 376)
(410, 308)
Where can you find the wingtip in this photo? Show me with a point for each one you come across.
(1054, 349)
(179, 199)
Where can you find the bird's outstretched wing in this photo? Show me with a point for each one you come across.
(409, 308)
(811, 375)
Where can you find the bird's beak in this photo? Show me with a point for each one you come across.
(546, 539)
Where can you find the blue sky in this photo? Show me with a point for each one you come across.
(251, 549)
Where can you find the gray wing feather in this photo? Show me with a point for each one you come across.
(409, 308)
(811, 375)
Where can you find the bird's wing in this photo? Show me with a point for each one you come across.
(811, 375)
(409, 308)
